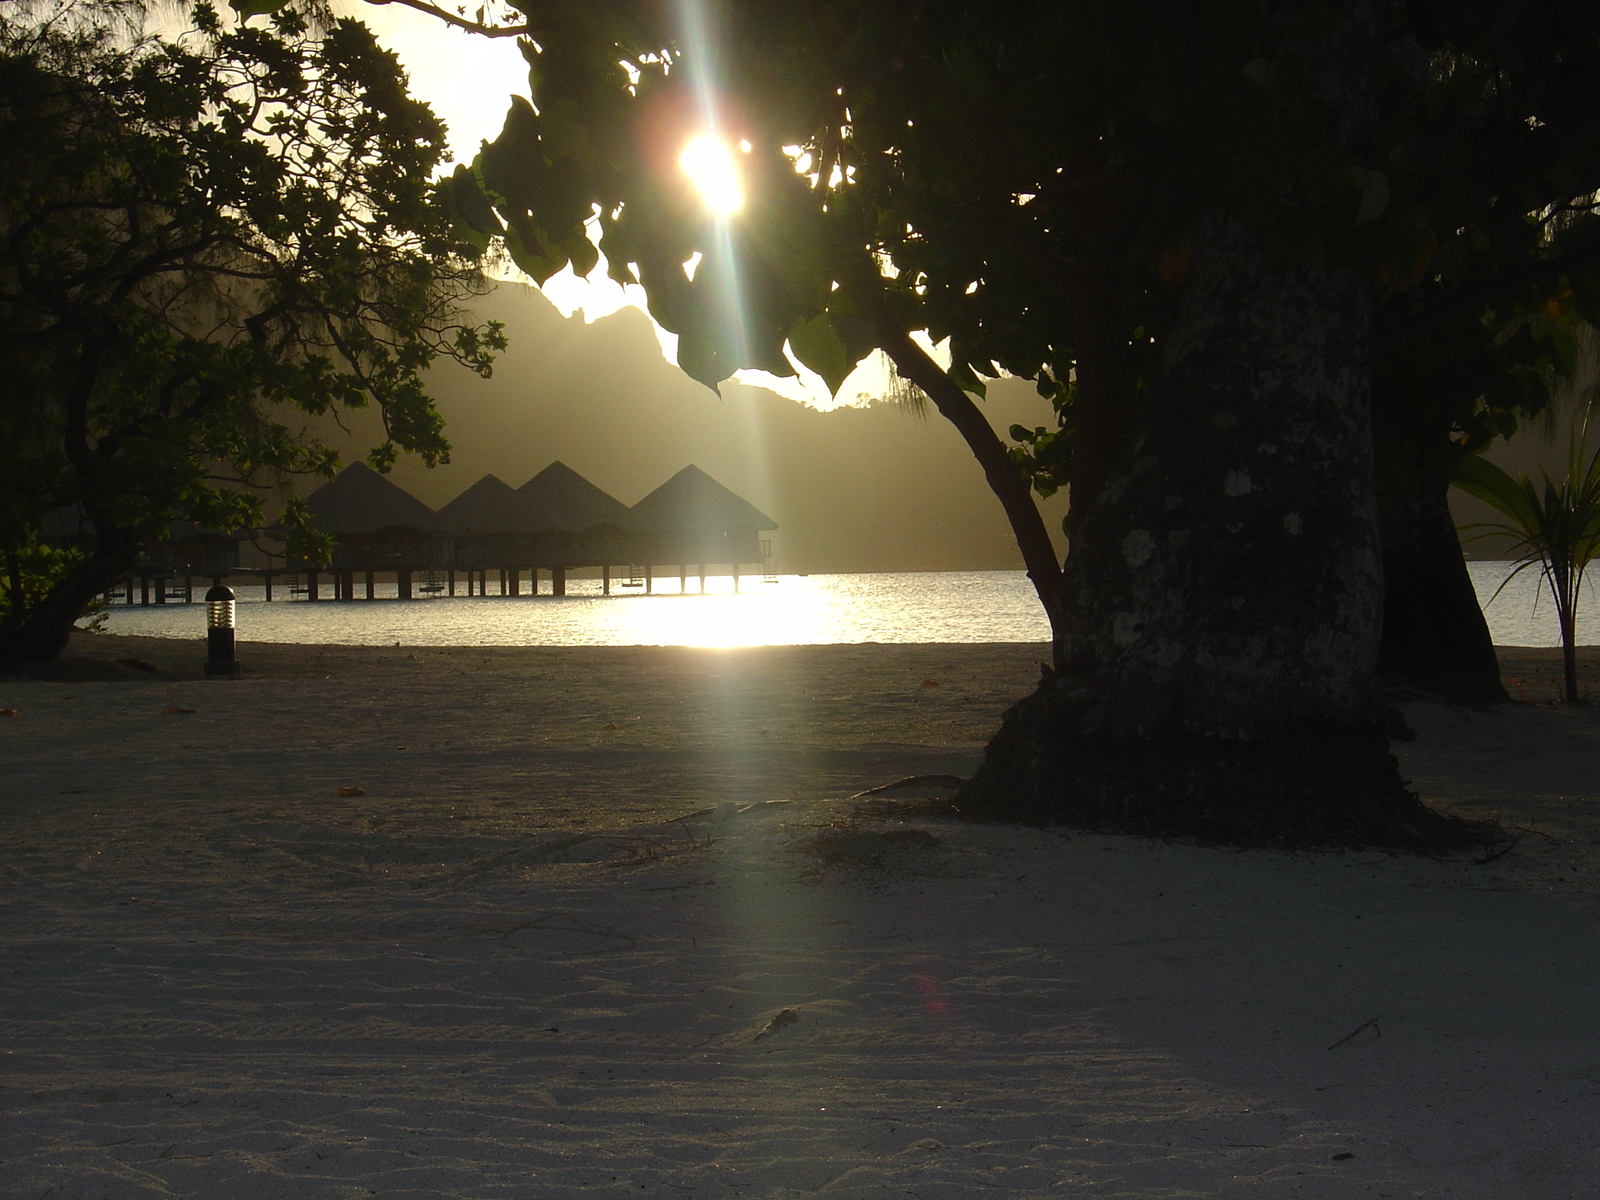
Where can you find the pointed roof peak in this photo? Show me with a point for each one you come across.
(360, 500)
(560, 499)
(692, 501)
(488, 506)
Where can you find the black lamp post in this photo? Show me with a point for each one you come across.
(220, 658)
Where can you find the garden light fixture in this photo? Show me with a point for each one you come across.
(220, 658)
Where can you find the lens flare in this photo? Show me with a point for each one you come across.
(712, 168)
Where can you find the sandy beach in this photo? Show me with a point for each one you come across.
(608, 922)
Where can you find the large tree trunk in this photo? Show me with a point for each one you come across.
(1104, 389)
(45, 629)
(1217, 622)
(1102, 408)
(1434, 634)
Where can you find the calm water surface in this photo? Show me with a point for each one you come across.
(951, 606)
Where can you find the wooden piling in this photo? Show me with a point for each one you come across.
(558, 581)
(402, 578)
(266, 579)
(311, 586)
(452, 581)
(605, 581)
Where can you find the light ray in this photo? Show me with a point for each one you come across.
(711, 159)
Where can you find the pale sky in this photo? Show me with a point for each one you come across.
(468, 81)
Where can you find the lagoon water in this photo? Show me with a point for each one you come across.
(935, 606)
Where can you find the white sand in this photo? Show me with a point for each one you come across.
(505, 971)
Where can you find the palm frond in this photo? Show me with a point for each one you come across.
(1554, 525)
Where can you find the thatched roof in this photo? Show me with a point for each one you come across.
(693, 502)
(360, 500)
(489, 506)
(559, 499)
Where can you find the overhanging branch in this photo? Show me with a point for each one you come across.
(1005, 481)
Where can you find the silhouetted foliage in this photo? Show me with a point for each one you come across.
(1024, 179)
(1553, 525)
(204, 240)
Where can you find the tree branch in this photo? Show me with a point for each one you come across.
(450, 18)
(1007, 483)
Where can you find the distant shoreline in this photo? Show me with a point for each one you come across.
(1531, 673)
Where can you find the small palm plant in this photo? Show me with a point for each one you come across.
(1556, 528)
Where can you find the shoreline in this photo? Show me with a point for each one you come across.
(1532, 674)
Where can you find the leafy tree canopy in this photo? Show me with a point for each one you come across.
(1009, 176)
(206, 240)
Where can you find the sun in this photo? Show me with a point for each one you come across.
(711, 166)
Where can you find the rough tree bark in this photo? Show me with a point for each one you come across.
(1106, 369)
(1217, 622)
(1434, 634)
(1103, 404)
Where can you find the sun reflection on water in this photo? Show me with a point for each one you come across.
(955, 606)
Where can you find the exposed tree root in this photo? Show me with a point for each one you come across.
(952, 782)
(1294, 785)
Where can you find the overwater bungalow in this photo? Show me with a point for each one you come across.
(485, 527)
(556, 521)
(191, 549)
(166, 570)
(376, 526)
(573, 523)
(692, 518)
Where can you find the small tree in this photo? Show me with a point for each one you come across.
(205, 241)
(1555, 527)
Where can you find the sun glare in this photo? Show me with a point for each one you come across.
(712, 168)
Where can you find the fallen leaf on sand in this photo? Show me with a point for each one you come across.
(351, 791)
(177, 710)
(930, 683)
(8, 712)
(784, 1017)
(609, 725)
